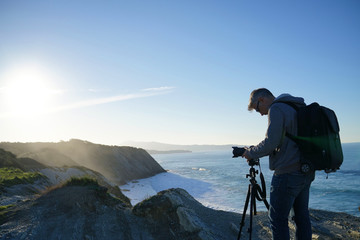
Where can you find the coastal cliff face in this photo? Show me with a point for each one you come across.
(117, 164)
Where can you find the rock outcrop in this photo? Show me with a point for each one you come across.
(88, 212)
(182, 217)
(72, 212)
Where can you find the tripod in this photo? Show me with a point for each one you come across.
(254, 191)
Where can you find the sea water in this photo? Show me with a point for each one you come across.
(219, 181)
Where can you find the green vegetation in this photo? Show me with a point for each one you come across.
(3, 208)
(81, 181)
(13, 176)
(3, 212)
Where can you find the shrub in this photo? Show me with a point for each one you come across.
(81, 181)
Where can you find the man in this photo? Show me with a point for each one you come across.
(289, 186)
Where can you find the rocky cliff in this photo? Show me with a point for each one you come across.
(88, 212)
(24, 178)
(118, 164)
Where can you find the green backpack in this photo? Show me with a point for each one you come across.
(317, 138)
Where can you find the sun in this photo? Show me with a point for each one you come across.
(27, 91)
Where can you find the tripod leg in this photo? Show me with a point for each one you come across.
(255, 212)
(256, 190)
(252, 208)
(242, 223)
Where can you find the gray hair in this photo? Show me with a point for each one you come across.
(256, 94)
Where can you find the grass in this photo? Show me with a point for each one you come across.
(3, 212)
(13, 176)
(3, 208)
(81, 181)
(87, 181)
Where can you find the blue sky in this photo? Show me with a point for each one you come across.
(171, 71)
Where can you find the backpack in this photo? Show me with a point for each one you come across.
(318, 138)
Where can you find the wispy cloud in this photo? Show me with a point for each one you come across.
(98, 101)
(144, 93)
(159, 89)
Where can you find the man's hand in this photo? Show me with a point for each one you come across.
(246, 154)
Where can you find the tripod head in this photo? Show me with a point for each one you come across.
(252, 171)
(253, 162)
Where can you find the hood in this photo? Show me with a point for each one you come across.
(288, 98)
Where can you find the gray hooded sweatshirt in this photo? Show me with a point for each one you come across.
(284, 155)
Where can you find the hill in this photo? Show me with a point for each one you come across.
(8, 159)
(118, 164)
(23, 178)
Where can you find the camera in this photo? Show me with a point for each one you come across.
(238, 152)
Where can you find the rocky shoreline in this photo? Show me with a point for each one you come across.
(89, 212)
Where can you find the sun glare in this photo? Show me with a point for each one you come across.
(27, 91)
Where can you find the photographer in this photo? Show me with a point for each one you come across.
(289, 186)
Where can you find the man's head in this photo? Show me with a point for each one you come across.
(260, 100)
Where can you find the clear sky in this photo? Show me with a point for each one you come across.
(171, 71)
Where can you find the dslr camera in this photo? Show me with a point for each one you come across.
(239, 151)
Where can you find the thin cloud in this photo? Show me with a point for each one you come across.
(150, 92)
(98, 101)
(158, 89)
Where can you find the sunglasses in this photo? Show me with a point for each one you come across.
(257, 106)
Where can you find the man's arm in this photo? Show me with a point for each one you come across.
(273, 138)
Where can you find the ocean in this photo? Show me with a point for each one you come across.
(219, 181)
